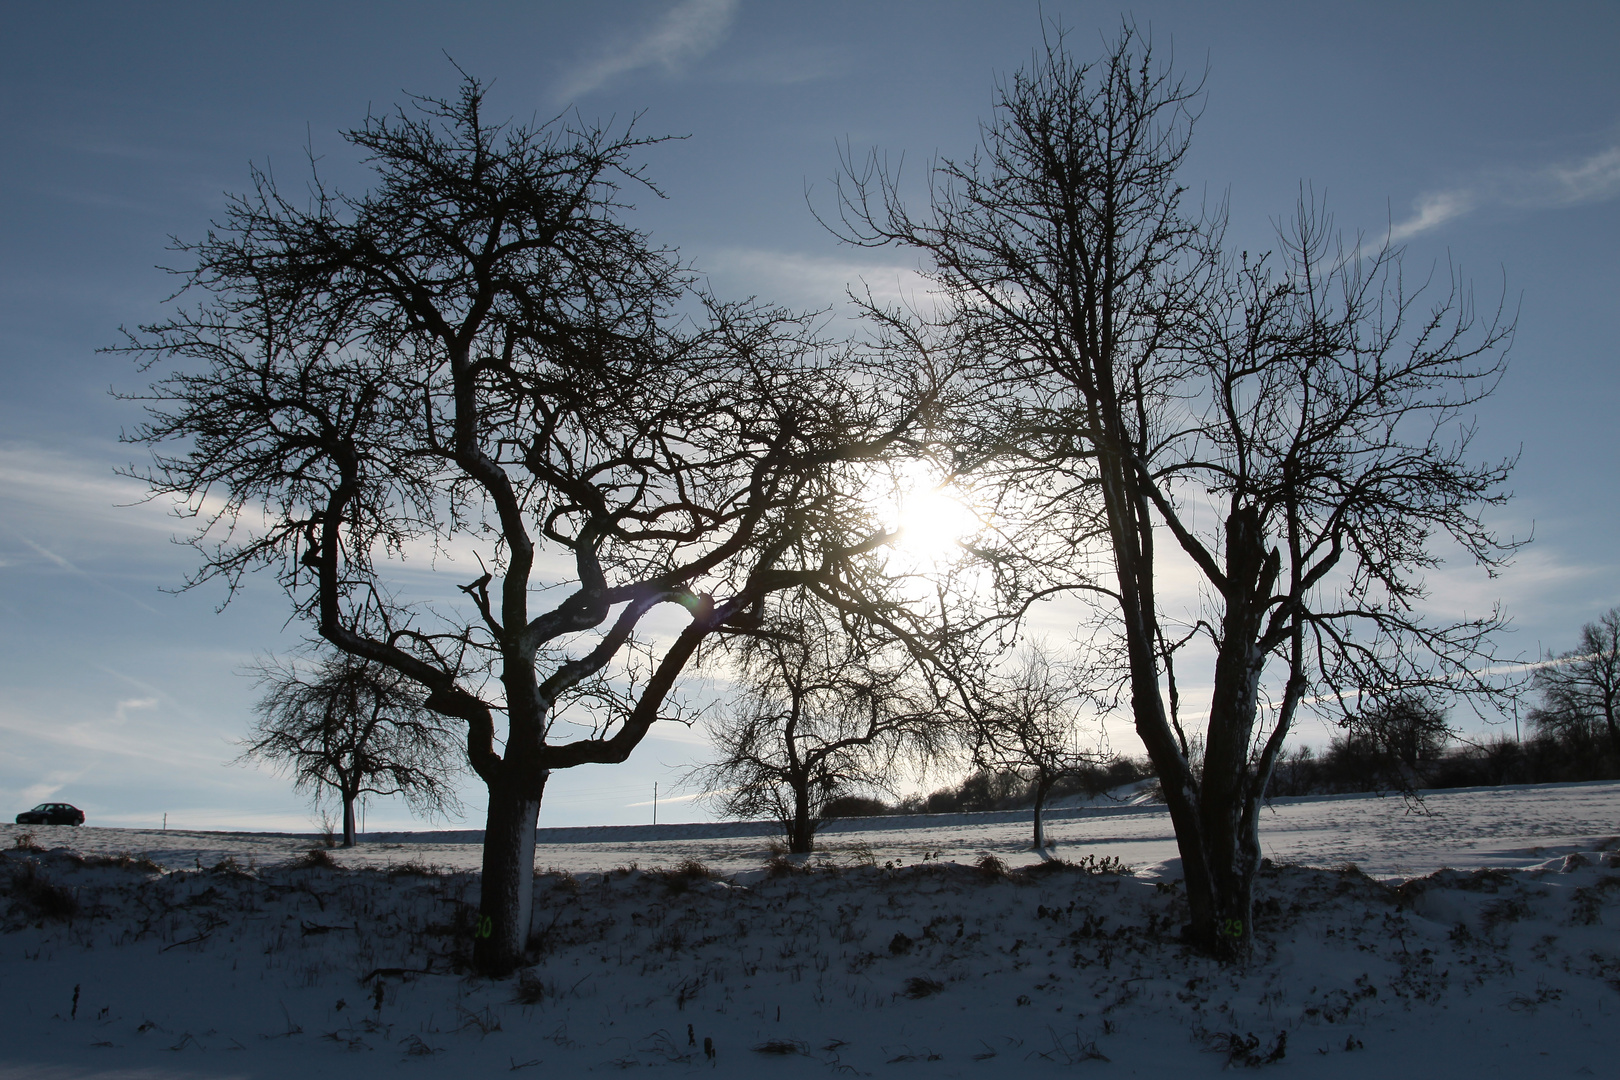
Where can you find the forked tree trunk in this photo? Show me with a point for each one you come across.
(1213, 814)
(1226, 858)
(506, 892)
(1216, 817)
(1127, 511)
(1181, 797)
(1228, 823)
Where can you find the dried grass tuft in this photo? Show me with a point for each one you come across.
(124, 861)
(564, 881)
(229, 867)
(782, 1047)
(412, 867)
(918, 987)
(786, 866)
(683, 875)
(313, 859)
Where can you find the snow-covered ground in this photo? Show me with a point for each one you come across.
(893, 954)
(1384, 836)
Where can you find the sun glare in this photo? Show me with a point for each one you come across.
(933, 519)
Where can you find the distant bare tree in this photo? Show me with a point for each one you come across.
(818, 712)
(1404, 730)
(1580, 689)
(1028, 726)
(349, 727)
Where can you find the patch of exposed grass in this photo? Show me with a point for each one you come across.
(413, 867)
(38, 897)
(918, 987)
(781, 1047)
(229, 867)
(684, 875)
(124, 861)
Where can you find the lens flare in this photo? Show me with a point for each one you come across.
(934, 520)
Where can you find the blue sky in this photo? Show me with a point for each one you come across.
(1484, 134)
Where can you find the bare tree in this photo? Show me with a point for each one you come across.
(1405, 731)
(478, 367)
(1580, 689)
(348, 727)
(1028, 726)
(1295, 425)
(819, 710)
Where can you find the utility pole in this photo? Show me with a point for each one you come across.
(655, 802)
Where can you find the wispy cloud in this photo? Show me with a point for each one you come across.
(665, 800)
(1433, 210)
(811, 281)
(121, 713)
(57, 560)
(1592, 179)
(138, 744)
(75, 493)
(688, 31)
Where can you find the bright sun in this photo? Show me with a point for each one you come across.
(933, 518)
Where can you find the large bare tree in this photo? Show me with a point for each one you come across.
(347, 727)
(477, 368)
(1295, 427)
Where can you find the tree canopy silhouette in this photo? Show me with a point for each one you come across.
(349, 727)
(477, 368)
(1293, 427)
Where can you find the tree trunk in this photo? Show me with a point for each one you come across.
(348, 819)
(802, 831)
(1127, 515)
(1212, 813)
(1181, 796)
(1229, 829)
(506, 893)
(1610, 722)
(1042, 786)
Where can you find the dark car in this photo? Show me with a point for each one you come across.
(52, 813)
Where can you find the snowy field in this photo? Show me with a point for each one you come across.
(128, 954)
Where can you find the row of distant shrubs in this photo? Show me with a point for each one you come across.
(1352, 765)
(986, 790)
(1347, 766)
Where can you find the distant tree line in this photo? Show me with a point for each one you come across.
(1348, 766)
(1573, 734)
(986, 789)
